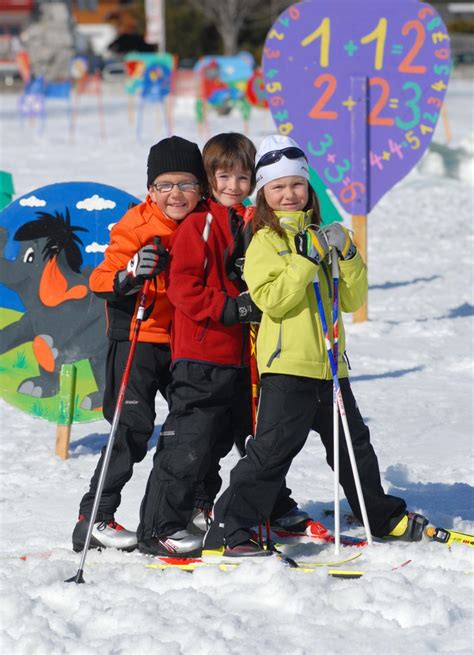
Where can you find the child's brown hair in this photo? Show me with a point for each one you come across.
(265, 216)
(227, 150)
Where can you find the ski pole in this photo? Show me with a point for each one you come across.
(335, 410)
(254, 378)
(255, 384)
(342, 412)
(79, 578)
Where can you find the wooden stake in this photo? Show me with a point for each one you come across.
(359, 225)
(447, 127)
(360, 170)
(67, 392)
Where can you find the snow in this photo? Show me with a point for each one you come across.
(412, 376)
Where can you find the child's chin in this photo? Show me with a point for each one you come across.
(177, 215)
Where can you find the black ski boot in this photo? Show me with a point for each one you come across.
(410, 527)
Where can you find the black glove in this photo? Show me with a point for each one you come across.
(240, 310)
(312, 244)
(146, 264)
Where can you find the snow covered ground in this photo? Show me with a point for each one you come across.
(412, 376)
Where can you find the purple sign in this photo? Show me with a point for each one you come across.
(360, 86)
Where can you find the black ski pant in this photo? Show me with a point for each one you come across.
(210, 410)
(290, 407)
(150, 373)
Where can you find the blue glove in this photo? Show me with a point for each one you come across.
(340, 238)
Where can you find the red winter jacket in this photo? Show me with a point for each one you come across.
(198, 286)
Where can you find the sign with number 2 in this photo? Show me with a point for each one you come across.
(360, 86)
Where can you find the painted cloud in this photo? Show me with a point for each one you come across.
(95, 203)
(32, 201)
(96, 247)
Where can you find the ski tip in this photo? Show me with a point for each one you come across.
(349, 574)
(430, 532)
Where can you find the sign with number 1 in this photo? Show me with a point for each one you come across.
(360, 86)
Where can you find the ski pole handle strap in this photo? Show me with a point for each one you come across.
(312, 244)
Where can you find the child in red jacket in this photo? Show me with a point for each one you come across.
(209, 394)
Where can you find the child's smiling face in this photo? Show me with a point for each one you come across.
(176, 204)
(288, 193)
(230, 187)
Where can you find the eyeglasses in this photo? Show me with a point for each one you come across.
(275, 155)
(167, 187)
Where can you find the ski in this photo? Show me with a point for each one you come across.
(353, 574)
(449, 537)
(215, 559)
(348, 575)
(318, 532)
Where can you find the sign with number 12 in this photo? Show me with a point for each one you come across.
(360, 86)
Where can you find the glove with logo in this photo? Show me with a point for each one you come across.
(240, 310)
(340, 238)
(146, 264)
(312, 244)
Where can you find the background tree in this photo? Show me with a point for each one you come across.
(229, 17)
(189, 34)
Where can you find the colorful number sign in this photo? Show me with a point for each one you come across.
(359, 85)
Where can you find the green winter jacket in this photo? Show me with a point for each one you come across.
(290, 338)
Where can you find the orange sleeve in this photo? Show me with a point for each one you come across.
(124, 243)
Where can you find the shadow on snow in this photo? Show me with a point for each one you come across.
(389, 374)
(93, 443)
(404, 283)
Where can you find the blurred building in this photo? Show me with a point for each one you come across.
(49, 41)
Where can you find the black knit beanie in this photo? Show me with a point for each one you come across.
(175, 155)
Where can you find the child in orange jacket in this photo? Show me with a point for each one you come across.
(176, 182)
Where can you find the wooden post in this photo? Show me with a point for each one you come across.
(359, 225)
(360, 172)
(67, 392)
(447, 128)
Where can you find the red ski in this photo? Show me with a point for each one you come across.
(317, 531)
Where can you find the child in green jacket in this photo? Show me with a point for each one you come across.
(287, 253)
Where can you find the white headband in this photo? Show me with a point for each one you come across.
(284, 166)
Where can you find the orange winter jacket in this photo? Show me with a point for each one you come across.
(136, 229)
